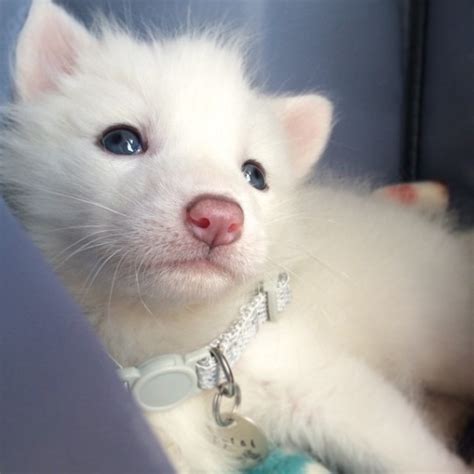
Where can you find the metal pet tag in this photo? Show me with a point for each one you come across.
(243, 439)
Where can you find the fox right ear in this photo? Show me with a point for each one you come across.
(307, 120)
(47, 49)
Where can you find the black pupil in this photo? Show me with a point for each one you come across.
(122, 141)
(254, 176)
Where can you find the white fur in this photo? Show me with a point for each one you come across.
(381, 295)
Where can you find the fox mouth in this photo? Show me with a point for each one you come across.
(200, 264)
(203, 265)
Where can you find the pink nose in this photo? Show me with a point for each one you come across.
(215, 221)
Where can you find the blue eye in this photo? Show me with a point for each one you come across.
(122, 140)
(254, 174)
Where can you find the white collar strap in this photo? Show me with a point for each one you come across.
(164, 381)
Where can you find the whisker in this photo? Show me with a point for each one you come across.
(284, 268)
(77, 227)
(93, 203)
(87, 246)
(78, 242)
(112, 285)
(137, 279)
(306, 253)
(79, 199)
(84, 290)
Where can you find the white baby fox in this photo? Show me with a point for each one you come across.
(165, 188)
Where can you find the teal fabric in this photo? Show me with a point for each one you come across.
(279, 462)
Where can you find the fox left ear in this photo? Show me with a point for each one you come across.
(47, 48)
(307, 120)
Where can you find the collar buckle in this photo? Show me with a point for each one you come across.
(164, 381)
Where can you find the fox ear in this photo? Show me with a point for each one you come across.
(307, 120)
(47, 49)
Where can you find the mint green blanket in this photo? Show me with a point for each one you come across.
(279, 462)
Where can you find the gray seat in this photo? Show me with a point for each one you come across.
(401, 76)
